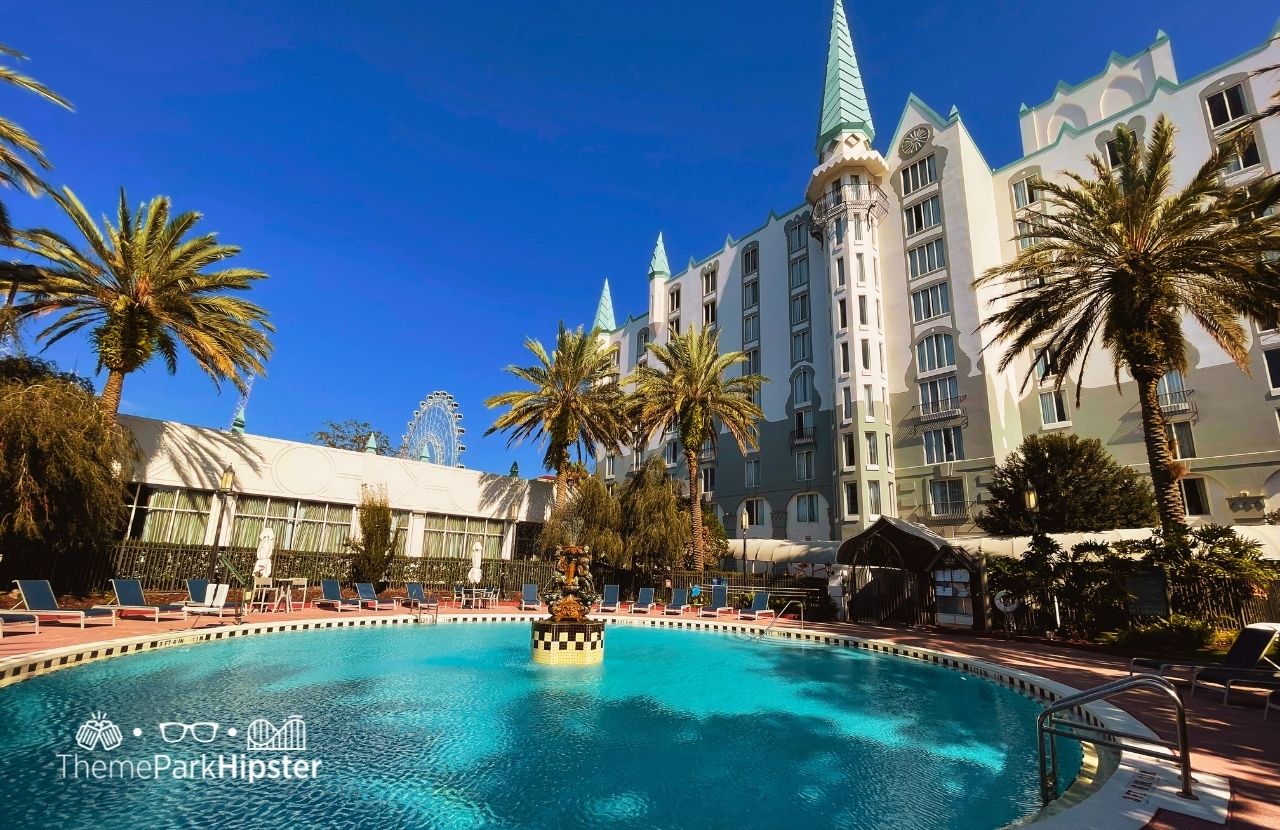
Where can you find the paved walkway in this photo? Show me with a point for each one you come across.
(1227, 740)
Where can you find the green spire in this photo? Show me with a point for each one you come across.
(237, 423)
(371, 446)
(844, 102)
(658, 262)
(604, 311)
(515, 469)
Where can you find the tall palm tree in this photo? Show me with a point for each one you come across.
(1119, 259)
(20, 154)
(575, 401)
(689, 392)
(145, 286)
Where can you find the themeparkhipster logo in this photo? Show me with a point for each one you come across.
(189, 751)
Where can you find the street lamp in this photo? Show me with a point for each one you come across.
(225, 483)
(744, 524)
(1031, 500)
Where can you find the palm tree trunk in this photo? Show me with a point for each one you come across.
(110, 400)
(1160, 458)
(695, 509)
(561, 487)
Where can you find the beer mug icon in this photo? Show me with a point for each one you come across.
(98, 731)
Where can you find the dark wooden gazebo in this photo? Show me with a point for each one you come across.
(905, 574)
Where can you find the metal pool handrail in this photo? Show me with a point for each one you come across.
(1048, 725)
(778, 616)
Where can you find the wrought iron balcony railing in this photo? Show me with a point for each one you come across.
(939, 410)
(801, 436)
(1177, 402)
(832, 203)
(950, 510)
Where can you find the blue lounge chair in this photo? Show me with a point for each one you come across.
(609, 602)
(196, 591)
(369, 597)
(331, 594)
(416, 597)
(643, 604)
(215, 602)
(129, 597)
(37, 598)
(719, 602)
(679, 602)
(759, 608)
(529, 597)
(8, 617)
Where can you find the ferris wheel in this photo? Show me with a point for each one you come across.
(434, 435)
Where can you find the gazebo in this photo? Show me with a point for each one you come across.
(904, 574)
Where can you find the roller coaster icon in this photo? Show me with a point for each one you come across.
(290, 736)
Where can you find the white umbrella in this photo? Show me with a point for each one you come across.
(475, 574)
(266, 547)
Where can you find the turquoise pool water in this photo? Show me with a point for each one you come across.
(452, 727)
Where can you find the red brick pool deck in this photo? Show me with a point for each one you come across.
(1232, 741)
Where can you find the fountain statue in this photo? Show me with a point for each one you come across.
(568, 636)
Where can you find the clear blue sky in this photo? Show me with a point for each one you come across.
(429, 182)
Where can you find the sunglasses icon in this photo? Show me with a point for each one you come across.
(174, 732)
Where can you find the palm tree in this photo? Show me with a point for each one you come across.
(691, 394)
(18, 150)
(144, 286)
(575, 400)
(1119, 259)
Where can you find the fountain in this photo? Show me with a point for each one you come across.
(568, 637)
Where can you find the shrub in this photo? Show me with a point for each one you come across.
(1176, 635)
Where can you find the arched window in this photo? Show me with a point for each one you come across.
(937, 351)
(642, 342)
(802, 388)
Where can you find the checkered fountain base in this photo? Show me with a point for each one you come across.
(567, 644)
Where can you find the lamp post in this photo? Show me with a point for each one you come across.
(225, 483)
(1031, 500)
(744, 524)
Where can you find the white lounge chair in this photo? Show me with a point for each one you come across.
(215, 601)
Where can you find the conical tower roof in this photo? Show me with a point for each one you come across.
(658, 262)
(604, 311)
(844, 101)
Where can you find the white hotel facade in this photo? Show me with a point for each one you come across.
(859, 308)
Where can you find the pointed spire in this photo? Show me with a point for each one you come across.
(515, 469)
(604, 311)
(371, 445)
(658, 266)
(844, 101)
(237, 423)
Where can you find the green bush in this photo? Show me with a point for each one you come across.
(1176, 635)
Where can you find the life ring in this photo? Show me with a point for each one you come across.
(1006, 602)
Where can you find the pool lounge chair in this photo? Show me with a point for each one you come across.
(719, 602)
(369, 597)
(759, 608)
(416, 597)
(1234, 678)
(643, 604)
(11, 618)
(331, 594)
(196, 590)
(679, 602)
(529, 597)
(609, 603)
(129, 597)
(37, 598)
(1250, 648)
(215, 602)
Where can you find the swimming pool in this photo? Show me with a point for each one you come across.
(454, 727)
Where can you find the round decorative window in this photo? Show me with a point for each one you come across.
(913, 141)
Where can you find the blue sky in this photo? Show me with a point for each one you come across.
(427, 182)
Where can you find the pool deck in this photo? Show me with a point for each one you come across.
(1232, 741)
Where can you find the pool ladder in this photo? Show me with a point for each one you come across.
(1050, 723)
(778, 616)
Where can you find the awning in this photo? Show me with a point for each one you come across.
(896, 542)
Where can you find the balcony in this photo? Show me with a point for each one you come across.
(833, 203)
(1180, 402)
(950, 512)
(801, 437)
(945, 409)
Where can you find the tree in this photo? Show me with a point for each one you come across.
(575, 401)
(144, 287)
(655, 532)
(1119, 259)
(688, 390)
(20, 154)
(351, 434)
(591, 518)
(64, 469)
(373, 551)
(1079, 486)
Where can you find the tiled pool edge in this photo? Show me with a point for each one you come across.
(1111, 803)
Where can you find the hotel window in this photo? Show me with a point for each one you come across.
(946, 497)
(888, 450)
(862, 309)
(919, 174)
(839, 230)
(939, 395)
(674, 323)
(642, 342)
(857, 227)
(804, 422)
(800, 308)
(795, 238)
(862, 269)
(755, 512)
(708, 281)
(1172, 391)
(866, 353)
(842, 313)
(923, 215)
(868, 403)
(873, 498)
(751, 260)
(175, 516)
(847, 399)
(609, 466)
(873, 449)
(753, 472)
(804, 465)
(673, 301)
(1026, 234)
(927, 258)
(454, 536)
(671, 453)
(851, 498)
(807, 507)
(751, 294)
(1025, 192)
(937, 351)
(849, 444)
(1272, 357)
(840, 278)
(709, 314)
(1181, 442)
(1046, 366)
(1053, 409)
(801, 347)
(879, 316)
(708, 479)
(802, 388)
(844, 357)
(1113, 153)
(1226, 106)
(299, 525)
(751, 328)
(1241, 154)
(931, 302)
(1194, 496)
(943, 445)
(798, 272)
